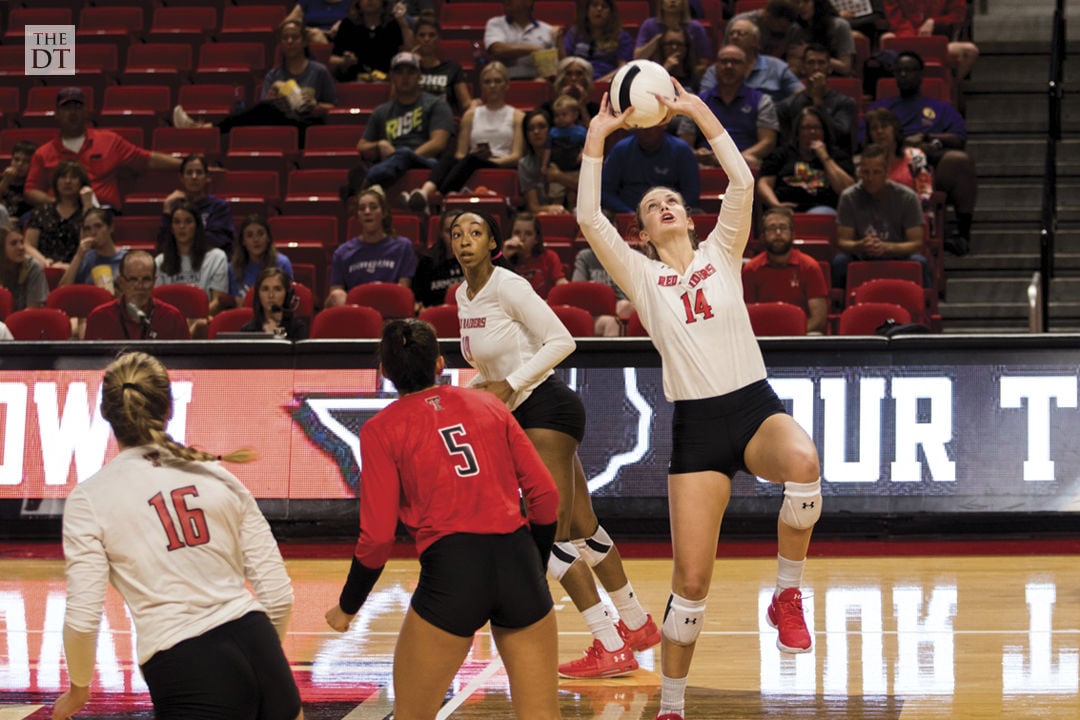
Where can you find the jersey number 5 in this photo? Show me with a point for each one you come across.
(192, 520)
(462, 451)
(700, 306)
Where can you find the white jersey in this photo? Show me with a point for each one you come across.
(509, 333)
(178, 543)
(697, 320)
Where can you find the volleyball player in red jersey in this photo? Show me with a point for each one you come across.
(453, 465)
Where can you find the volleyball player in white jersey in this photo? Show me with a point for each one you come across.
(726, 416)
(514, 340)
(178, 536)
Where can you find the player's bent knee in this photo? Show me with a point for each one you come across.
(802, 504)
(594, 548)
(683, 620)
(563, 555)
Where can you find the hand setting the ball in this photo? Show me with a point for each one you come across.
(634, 86)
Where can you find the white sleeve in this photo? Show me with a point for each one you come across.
(618, 258)
(541, 322)
(217, 274)
(87, 577)
(733, 224)
(263, 565)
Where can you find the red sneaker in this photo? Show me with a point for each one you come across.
(786, 615)
(643, 638)
(600, 662)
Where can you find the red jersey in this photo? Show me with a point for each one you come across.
(103, 153)
(542, 271)
(112, 322)
(447, 460)
(795, 283)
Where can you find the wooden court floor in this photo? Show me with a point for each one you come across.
(904, 638)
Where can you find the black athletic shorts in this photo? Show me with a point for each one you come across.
(712, 433)
(553, 406)
(235, 671)
(468, 579)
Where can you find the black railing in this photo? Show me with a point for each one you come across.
(1055, 95)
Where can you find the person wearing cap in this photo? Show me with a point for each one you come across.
(101, 152)
(409, 131)
(516, 35)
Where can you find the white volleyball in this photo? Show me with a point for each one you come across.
(634, 85)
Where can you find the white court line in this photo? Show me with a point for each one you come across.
(475, 684)
(376, 707)
(18, 712)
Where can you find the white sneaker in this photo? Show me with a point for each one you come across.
(180, 119)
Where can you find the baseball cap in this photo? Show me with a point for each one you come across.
(70, 94)
(405, 58)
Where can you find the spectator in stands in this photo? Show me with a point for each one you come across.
(647, 158)
(588, 268)
(561, 160)
(298, 92)
(938, 129)
(254, 253)
(574, 77)
(52, 232)
(372, 33)
(136, 315)
(411, 130)
(97, 261)
(525, 252)
(321, 18)
(531, 181)
(878, 219)
(101, 152)
(778, 23)
(275, 306)
(908, 164)
(442, 78)
(807, 173)
(747, 114)
(5, 334)
(922, 18)
(490, 136)
(187, 260)
(516, 37)
(21, 274)
(841, 109)
(870, 25)
(781, 273)
(676, 54)
(375, 255)
(821, 24)
(598, 36)
(670, 14)
(438, 268)
(770, 75)
(13, 182)
(215, 212)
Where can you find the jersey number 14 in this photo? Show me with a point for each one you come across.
(699, 306)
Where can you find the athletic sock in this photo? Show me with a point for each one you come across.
(602, 627)
(788, 573)
(672, 695)
(630, 610)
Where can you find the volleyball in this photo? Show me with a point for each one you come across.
(634, 85)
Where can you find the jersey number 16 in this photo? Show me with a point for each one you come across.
(192, 520)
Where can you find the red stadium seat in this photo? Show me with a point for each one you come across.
(322, 229)
(331, 146)
(451, 294)
(191, 300)
(634, 328)
(315, 192)
(594, 298)
(503, 181)
(859, 271)
(357, 100)
(232, 63)
(177, 23)
(40, 109)
(866, 318)
(144, 106)
(907, 294)
(167, 64)
(579, 322)
(390, 299)
(815, 225)
(776, 318)
(559, 226)
(39, 324)
(230, 320)
(249, 191)
(6, 302)
(347, 321)
(241, 22)
(182, 142)
(52, 276)
(20, 17)
(263, 147)
(444, 318)
(78, 300)
(714, 182)
(212, 101)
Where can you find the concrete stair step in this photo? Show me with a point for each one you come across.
(1021, 157)
(1024, 113)
(1014, 72)
(1020, 200)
